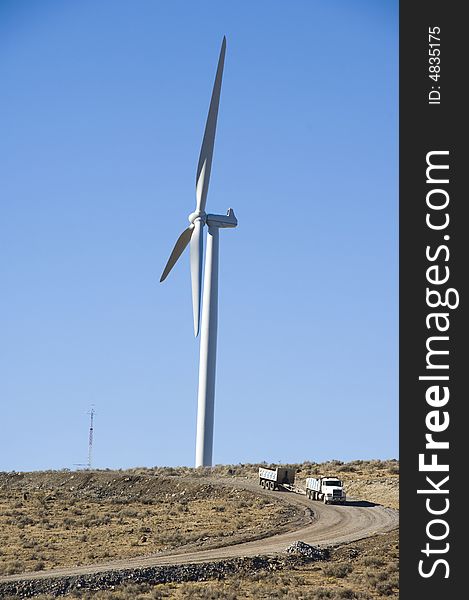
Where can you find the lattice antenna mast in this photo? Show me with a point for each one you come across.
(90, 439)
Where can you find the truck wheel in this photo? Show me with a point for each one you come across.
(263, 483)
(325, 500)
(308, 494)
(315, 495)
(272, 486)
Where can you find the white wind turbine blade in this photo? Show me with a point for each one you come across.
(206, 152)
(197, 251)
(178, 249)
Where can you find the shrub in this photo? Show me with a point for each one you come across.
(339, 570)
(372, 561)
(386, 588)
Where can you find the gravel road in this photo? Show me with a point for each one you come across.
(321, 525)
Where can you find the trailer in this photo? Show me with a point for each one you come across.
(275, 479)
(328, 489)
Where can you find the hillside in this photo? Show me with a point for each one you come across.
(55, 519)
(50, 519)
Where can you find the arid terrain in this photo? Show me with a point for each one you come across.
(65, 519)
(84, 522)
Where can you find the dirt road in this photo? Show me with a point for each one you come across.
(321, 525)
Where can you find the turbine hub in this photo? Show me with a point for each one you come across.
(198, 214)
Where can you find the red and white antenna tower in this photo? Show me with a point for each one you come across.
(90, 438)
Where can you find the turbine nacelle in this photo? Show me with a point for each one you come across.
(222, 221)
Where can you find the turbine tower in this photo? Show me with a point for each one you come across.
(194, 235)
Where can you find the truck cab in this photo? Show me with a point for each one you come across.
(333, 490)
(328, 489)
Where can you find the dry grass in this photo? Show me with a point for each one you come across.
(59, 519)
(364, 467)
(365, 570)
(372, 480)
(95, 523)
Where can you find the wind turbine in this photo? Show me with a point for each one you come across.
(194, 235)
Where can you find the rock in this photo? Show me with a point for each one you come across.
(61, 586)
(310, 552)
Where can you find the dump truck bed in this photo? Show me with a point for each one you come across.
(281, 475)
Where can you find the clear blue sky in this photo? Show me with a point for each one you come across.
(102, 111)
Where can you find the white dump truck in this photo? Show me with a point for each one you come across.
(274, 479)
(328, 489)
